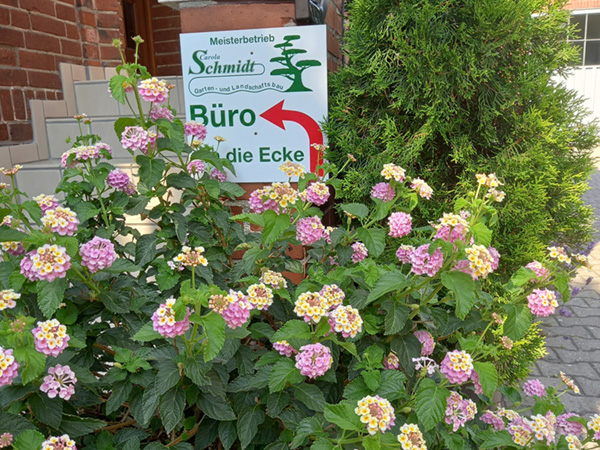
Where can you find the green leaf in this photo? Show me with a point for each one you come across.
(488, 377)
(254, 219)
(322, 444)
(123, 122)
(311, 396)
(371, 442)
(374, 239)
(292, 329)
(217, 408)
(171, 408)
(493, 439)
(396, 317)
(233, 189)
(392, 385)
(482, 234)
(181, 228)
(76, 426)
(214, 327)
(46, 410)
(14, 424)
(120, 394)
(195, 370)
(406, 348)
(146, 334)
(117, 88)
(8, 234)
(306, 427)
(372, 378)
(151, 170)
(247, 425)
(181, 180)
(35, 212)
(145, 249)
(284, 372)
(85, 211)
(388, 282)
(136, 205)
(227, 434)
(463, 287)
(50, 295)
(122, 265)
(430, 403)
(32, 363)
(277, 402)
(343, 416)
(522, 276)
(28, 440)
(517, 322)
(356, 209)
(275, 225)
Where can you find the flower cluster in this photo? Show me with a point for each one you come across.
(400, 224)
(540, 271)
(534, 388)
(565, 426)
(480, 262)
(426, 363)
(190, 258)
(260, 296)
(459, 411)
(284, 348)
(314, 360)
(422, 189)
(542, 302)
(154, 90)
(60, 381)
(543, 427)
(411, 438)
(311, 306)
(7, 299)
(61, 220)
(391, 361)
(451, 227)
(391, 170)
(520, 431)
(15, 248)
(594, 424)
(573, 442)
(569, 383)
(360, 252)
(496, 195)
(84, 153)
(12, 171)
(48, 262)
(492, 419)
(5, 440)
(426, 340)
(46, 202)
(383, 191)
(309, 230)
(196, 130)
(9, 367)
(404, 253)
(376, 412)
(196, 168)
(216, 174)
(424, 263)
(163, 320)
(292, 169)
(97, 254)
(135, 138)
(345, 320)
(50, 337)
(161, 112)
(316, 192)
(237, 310)
(120, 181)
(274, 196)
(333, 295)
(63, 442)
(490, 180)
(457, 365)
(273, 279)
(560, 254)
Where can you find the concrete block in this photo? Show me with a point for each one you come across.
(94, 100)
(37, 181)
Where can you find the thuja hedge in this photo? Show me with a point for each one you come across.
(451, 88)
(190, 335)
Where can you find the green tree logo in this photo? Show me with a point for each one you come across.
(292, 70)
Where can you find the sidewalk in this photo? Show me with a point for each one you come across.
(573, 333)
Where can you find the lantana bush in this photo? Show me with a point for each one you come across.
(197, 331)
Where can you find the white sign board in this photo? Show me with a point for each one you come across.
(263, 90)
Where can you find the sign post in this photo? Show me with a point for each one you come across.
(263, 90)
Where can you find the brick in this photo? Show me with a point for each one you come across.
(166, 23)
(4, 16)
(13, 77)
(85, 3)
(90, 35)
(65, 12)
(167, 47)
(10, 37)
(41, 6)
(6, 105)
(37, 41)
(48, 80)
(91, 51)
(20, 19)
(8, 57)
(333, 45)
(20, 131)
(3, 132)
(87, 18)
(47, 25)
(334, 20)
(19, 105)
(109, 5)
(14, 3)
(36, 60)
(72, 48)
(108, 20)
(107, 36)
(166, 35)
(166, 71)
(72, 31)
(109, 53)
(169, 59)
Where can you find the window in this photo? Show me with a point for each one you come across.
(587, 37)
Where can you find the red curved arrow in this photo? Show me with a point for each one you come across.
(276, 115)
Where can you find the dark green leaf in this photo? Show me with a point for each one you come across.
(493, 439)
(463, 287)
(171, 408)
(392, 385)
(275, 225)
(356, 209)
(396, 317)
(322, 444)
(8, 234)
(196, 370)
(430, 403)
(151, 170)
(47, 410)
(214, 327)
(217, 408)
(28, 440)
(406, 348)
(247, 425)
(50, 295)
(227, 434)
(343, 416)
(488, 377)
(13, 423)
(181, 228)
(76, 426)
(146, 334)
(517, 322)
(284, 372)
(292, 329)
(389, 282)
(374, 240)
(311, 396)
(122, 265)
(181, 180)
(85, 211)
(145, 249)
(277, 402)
(120, 394)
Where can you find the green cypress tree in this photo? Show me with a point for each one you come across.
(450, 88)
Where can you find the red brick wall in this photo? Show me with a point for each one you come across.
(334, 23)
(35, 37)
(166, 25)
(583, 4)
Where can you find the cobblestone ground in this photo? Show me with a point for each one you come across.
(573, 335)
